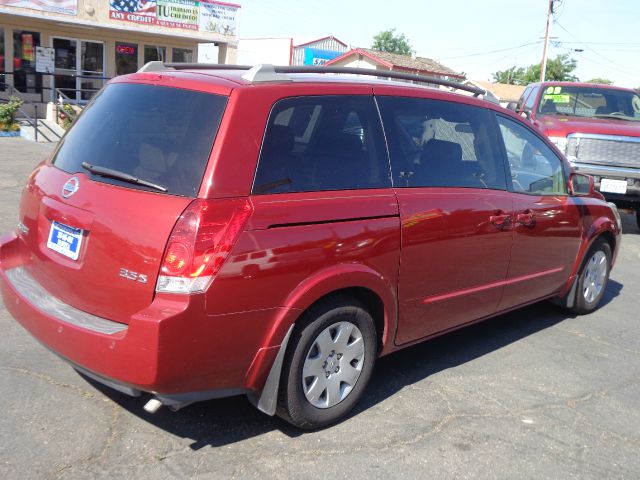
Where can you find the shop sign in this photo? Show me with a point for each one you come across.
(138, 11)
(218, 17)
(45, 59)
(315, 56)
(207, 16)
(66, 7)
(126, 50)
(178, 14)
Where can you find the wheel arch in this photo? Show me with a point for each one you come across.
(603, 228)
(374, 291)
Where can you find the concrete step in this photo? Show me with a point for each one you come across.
(48, 132)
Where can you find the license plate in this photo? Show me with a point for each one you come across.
(613, 186)
(65, 240)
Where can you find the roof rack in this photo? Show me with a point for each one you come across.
(272, 73)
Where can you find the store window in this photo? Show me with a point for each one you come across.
(79, 68)
(126, 58)
(182, 55)
(154, 53)
(25, 78)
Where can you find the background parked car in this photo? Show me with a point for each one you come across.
(597, 127)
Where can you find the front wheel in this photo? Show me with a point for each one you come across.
(593, 277)
(328, 363)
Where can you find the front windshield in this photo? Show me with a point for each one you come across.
(593, 102)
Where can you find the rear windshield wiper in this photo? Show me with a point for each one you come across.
(125, 177)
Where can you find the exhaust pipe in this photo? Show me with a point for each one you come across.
(152, 405)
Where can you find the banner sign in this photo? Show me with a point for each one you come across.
(66, 7)
(138, 11)
(206, 16)
(315, 56)
(216, 17)
(178, 14)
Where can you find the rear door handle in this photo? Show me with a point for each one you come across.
(500, 220)
(526, 218)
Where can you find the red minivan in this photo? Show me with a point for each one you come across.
(203, 232)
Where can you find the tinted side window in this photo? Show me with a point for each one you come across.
(531, 99)
(534, 167)
(434, 143)
(322, 143)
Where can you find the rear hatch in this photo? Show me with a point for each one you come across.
(99, 215)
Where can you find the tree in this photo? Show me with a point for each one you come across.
(387, 41)
(559, 69)
(603, 81)
(511, 76)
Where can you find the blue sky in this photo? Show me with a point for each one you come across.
(476, 37)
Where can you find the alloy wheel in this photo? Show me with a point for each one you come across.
(595, 275)
(333, 364)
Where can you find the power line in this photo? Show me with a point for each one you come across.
(591, 50)
(493, 51)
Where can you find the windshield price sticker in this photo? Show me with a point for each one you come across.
(558, 98)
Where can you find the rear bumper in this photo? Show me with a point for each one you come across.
(171, 348)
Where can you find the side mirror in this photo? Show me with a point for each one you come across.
(581, 185)
(513, 106)
(525, 112)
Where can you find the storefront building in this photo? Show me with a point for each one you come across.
(50, 48)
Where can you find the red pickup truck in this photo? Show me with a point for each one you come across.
(597, 127)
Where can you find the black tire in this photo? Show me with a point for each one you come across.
(333, 313)
(585, 302)
(638, 217)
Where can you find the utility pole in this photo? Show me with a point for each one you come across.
(543, 64)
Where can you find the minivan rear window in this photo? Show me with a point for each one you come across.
(160, 135)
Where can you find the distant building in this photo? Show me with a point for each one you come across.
(377, 60)
(74, 45)
(501, 93)
(254, 51)
(318, 52)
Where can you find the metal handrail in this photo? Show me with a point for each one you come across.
(33, 122)
(43, 88)
(58, 74)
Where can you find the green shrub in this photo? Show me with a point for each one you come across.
(7, 115)
(66, 115)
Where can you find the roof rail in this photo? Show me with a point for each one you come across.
(152, 67)
(271, 73)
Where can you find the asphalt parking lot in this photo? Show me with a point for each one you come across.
(532, 394)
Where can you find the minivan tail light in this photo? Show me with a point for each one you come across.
(200, 243)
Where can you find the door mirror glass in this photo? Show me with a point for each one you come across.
(581, 184)
(513, 106)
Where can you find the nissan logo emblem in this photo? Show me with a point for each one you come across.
(70, 187)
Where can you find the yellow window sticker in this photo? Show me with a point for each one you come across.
(558, 98)
(557, 90)
(549, 90)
